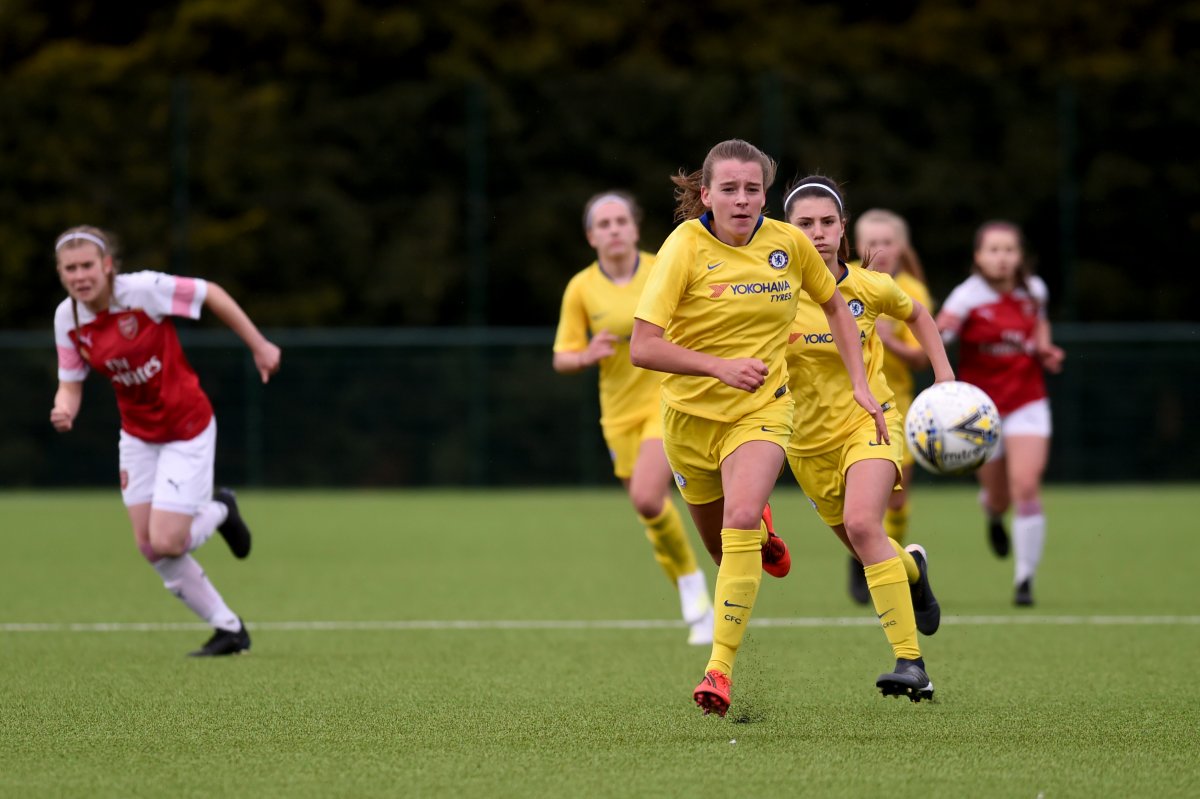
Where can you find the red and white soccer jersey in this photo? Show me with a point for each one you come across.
(134, 345)
(996, 350)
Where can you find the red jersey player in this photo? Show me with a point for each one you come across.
(999, 316)
(120, 327)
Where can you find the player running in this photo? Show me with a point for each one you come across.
(884, 235)
(120, 326)
(715, 316)
(593, 330)
(998, 314)
(838, 459)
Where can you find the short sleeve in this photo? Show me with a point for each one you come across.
(668, 282)
(572, 335)
(160, 294)
(959, 302)
(893, 301)
(815, 278)
(1040, 294)
(72, 368)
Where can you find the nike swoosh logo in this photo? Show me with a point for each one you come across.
(765, 430)
(886, 612)
(729, 604)
(874, 444)
(714, 266)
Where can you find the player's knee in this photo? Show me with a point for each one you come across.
(860, 527)
(167, 543)
(648, 504)
(148, 552)
(738, 517)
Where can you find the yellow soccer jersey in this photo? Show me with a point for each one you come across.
(825, 408)
(591, 303)
(898, 375)
(731, 302)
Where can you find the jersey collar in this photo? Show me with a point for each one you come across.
(706, 220)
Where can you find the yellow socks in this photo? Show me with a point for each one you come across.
(910, 564)
(672, 549)
(737, 588)
(895, 523)
(893, 606)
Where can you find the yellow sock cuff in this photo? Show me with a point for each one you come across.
(910, 564)
(895, 523)
(742, 540)
(886, 572)
(672, 549)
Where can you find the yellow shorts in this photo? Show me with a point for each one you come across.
(625, 442)
(903, 402)
(697, 446)
(822, 477)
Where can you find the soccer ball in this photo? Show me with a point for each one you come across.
(952, 428)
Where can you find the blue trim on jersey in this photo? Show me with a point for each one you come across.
(636, 263)
(706, 220)
(845, 274)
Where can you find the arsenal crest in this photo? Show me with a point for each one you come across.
(128, 325)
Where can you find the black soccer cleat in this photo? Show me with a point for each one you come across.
(909, 679)
(925, 606)
(998, 537)
(1023, 596)
(224, 642)
(859, 591)
(234, 530)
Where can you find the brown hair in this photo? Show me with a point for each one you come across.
(81, 235)
(635, 210)
(908, 259)
(1025, 268)
(687, 186)
(821, 186)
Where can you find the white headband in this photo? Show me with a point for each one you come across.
(606, 198)
(832, 194)
(69, 237)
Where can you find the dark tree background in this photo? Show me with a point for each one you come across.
(358, 163)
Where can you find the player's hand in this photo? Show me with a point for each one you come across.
(61, 419)
(744, 373)
(866, 399)
(266, 360)
(1051, 358)
(601, 346)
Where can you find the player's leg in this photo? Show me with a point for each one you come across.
(994, 499)
(649, 488)
(1027, 457)
(183, 516)
(895, 518)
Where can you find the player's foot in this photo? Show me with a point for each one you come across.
(925, 606)
(712, 694)
(998, 537)
(909, 679)
(859, 591)
(776, 560)
(234, 530)
(224, 642)
(1023, 596)
(700, 632)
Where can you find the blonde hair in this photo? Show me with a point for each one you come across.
(908, 260)
(688, 204)
(81, 235)
(611, 195)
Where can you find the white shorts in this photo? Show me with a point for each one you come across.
(176, 476)
(1031, 419)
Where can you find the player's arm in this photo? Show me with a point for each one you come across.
(1051, 356)
(912, 357)
(266, 355)
(932, 349)
(67, 400)
(601, 346)
(948, 325)
(845, 336)
(649, 349)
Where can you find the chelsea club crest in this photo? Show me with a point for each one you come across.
(778, 259)
(856, 307)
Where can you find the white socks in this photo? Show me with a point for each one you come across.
(1029, 536)
(209, 516)
(693, 597)
(184, 578)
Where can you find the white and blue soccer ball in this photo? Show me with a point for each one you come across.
(952, 428)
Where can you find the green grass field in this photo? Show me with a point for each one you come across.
(1077, 697)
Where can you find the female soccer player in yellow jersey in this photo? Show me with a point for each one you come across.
(882, 236)
(599, 302)
(715, 316)
(834, 452)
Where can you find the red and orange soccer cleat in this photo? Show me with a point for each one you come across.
(776, 560)
(713, 692)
